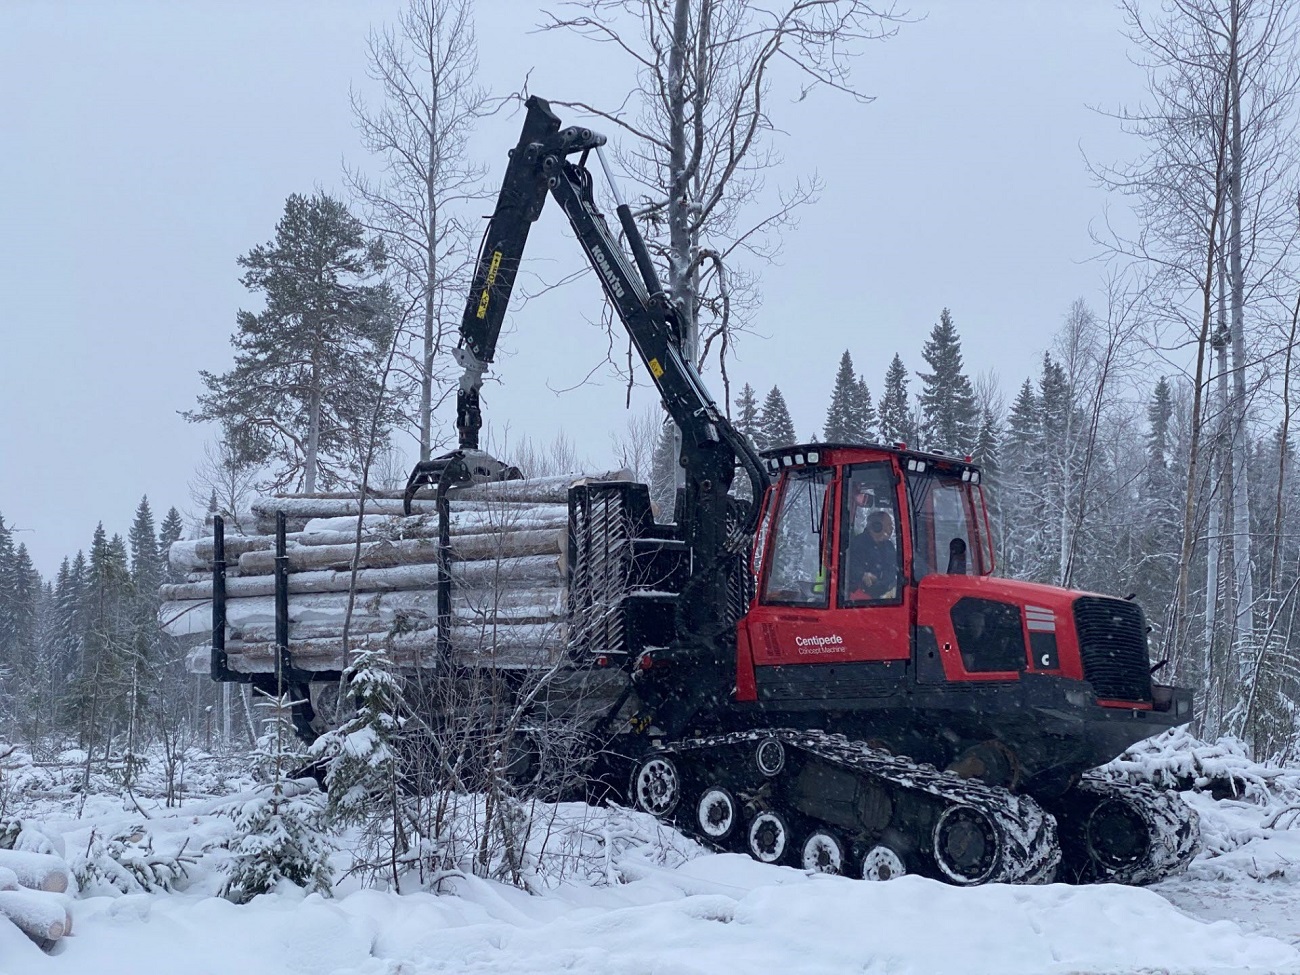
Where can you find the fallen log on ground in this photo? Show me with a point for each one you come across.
(41, 916)
(39, 871)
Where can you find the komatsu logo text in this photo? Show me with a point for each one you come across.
(812, 645)
(606, 271)
(487, 285)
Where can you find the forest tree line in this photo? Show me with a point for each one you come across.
(1149, 454)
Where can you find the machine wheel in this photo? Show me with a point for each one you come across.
(656, 786)
(966, 845)
(823, 853)
(769, 756)
(716, 814)
(882, 863)
(769, 837)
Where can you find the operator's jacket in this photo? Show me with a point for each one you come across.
(880, 559)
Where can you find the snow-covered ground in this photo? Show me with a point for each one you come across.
(647, 901)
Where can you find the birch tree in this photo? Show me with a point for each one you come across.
(1211, 194)
(697, 132)
(425, 68)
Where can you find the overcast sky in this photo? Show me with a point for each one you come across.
(148, 144)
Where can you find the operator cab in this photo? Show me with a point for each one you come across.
(847, 526)
(862, 555)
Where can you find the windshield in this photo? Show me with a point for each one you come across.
(947, 523)
(796, 571)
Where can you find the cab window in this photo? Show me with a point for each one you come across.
(796, 567)
(945, 535)
(870, 559)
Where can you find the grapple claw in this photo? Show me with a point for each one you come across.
(460, 468)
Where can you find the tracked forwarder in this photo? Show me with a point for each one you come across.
(831, 676)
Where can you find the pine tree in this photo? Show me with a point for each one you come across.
(895, 414)
(306, 377)
(776, 429)
(949, 418)
(843, 416)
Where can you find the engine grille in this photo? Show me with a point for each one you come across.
(1113, 644)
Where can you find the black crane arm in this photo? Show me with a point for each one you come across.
(540, 164)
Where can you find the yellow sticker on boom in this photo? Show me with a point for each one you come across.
(656, 370)
(487, 287)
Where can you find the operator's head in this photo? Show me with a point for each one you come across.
(881, 525)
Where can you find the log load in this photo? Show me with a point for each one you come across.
(508, 545)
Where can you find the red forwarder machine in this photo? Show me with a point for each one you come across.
(785, 680)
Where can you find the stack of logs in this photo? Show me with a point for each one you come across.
(508, 546)
(32, 895)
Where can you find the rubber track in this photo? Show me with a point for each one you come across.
(1175, 828)
(1030, 850)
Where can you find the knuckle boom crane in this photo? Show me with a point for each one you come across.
(830, 675)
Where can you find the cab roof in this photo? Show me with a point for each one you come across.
(805, 454)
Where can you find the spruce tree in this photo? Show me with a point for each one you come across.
(864, 413)
(776, 429)
(747, 413)
(949, 417)
(843, 415)
(663, 474)
(278, 837)
(169, 532)
(1160, 413)
(306, 377)
(895, 414)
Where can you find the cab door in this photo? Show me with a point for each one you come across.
(808, 609)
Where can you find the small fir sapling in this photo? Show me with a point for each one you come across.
(280, 834)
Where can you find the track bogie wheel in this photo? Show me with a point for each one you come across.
(823, 853)
(882, 863)
(768, 837)
(966, 845)
(656, 786)
(716, 814)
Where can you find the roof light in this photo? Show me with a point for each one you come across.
(965, 475)
(798, 458)
(787, 460)
(814, 456)
(974, 477)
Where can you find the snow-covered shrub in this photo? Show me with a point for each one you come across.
(127, 863)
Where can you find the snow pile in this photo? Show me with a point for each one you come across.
(712, 913)
(1177, 759)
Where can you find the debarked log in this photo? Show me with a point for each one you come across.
(505, 646)
(39, 871)
(196, 554)
(517, 571)
(386, 554)
(41, 916)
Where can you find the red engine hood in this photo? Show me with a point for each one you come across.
(1006, 590)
